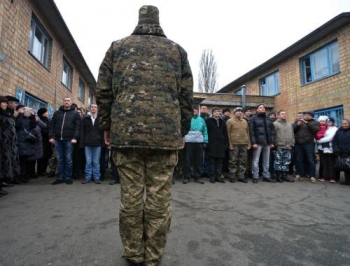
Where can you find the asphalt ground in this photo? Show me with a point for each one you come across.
(213, 224)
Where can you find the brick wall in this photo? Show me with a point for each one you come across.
(21, 69)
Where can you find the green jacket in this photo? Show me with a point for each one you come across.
(145, 91)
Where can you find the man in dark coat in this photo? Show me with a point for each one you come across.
(217, 144)
(64, 133)
(262, 136)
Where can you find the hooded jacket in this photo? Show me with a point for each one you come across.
(145, 91)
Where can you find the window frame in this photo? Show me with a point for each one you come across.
(307, 68)
(43, 53)
(273, 91)
(91, 98)
(69, 74)
(81, 86)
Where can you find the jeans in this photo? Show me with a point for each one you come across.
(305, 153)
(265, 150)
(92, 167)
(64, 153)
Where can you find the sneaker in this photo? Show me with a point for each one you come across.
(321, 179)
(332, 181)
(298, 178)
(97, 181)
(312, 180)
(85, 181)
(186, 181)
(57, 181)
(200, 182)
(69, 181)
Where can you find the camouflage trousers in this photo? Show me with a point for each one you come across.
(282, 159)
(144, 224)
(53, 162)
(238, 161)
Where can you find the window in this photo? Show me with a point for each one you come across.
(91, 98)
(33, 102)
(67, 74)
(336, 112)
(239, 92)
(40, 43)
(321, 63)
(270, 85)
(81, 92)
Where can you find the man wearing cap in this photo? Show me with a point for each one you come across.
(217, 144)
(11, 104)
(239, 144)
(145, 93)
(262, 136)
(305, 130)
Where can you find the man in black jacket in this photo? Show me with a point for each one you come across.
(91, 139)
(64, 133)
(262, 135)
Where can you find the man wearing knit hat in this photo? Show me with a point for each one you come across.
(145, 93)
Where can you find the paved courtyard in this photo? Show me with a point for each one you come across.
(213, 224)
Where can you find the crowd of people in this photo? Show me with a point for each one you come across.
(244, 145)
(69, 145)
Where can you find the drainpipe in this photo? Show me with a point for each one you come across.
(244, 96)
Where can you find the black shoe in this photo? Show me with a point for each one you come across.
(134, 264)
(269, 180)
(220, 180)
(255, 180)
(3, 192)
(186, 181)
(173, 182)
(4, 184)
(57, 181)
(243, 180)
(232, 180)
(51, 174)
(113, 182)
(69, 181)
(212, 180)
(199, 181)
(86, 182)
(97, 181)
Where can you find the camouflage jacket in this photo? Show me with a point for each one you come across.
(145, 91)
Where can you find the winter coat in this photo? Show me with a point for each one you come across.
(328, 137)
(306, 132)
(145, 91)
(321, 132)
(47, 146)
(9, 164)
(262, 131)
(238, 131)
(341, 142)
(91, 134)
(25, 148)
(198, 132)
(65, 124)
(217, 137)
(38, 146)
(284, 134)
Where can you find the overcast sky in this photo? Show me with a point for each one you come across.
(241, 34)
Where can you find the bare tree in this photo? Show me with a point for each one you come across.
(207, 77)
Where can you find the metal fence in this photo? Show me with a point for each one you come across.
(336, 112)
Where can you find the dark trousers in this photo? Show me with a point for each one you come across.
(215, 168)
(305, 153)
(329, 171)
(225, 162)
(193, 156)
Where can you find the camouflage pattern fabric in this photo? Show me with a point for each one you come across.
(145, 91)
(237, 162)
(282, 159)
(144, 225)
(53, 162)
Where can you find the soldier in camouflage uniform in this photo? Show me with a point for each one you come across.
(145, 93)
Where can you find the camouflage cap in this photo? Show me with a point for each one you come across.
(148, 15)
